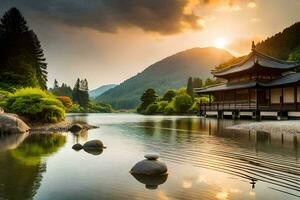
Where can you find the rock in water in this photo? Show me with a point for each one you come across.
(76, 128)
(152, 156)
(10, 123)
(77, 147)
(93, 145)
(150, 167)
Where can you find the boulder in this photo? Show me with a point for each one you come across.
(77, 147)
(150, 166)
(76, 128)
(11, 123)
(93, 145)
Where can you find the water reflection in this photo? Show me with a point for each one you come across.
(94, 152)
(22, 167)
(151, 182)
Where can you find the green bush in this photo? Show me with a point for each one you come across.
(35, 104)
(151, 109)
(169, 109)
(99, 108)
(182, 103)
(161, 106)
(75, 108)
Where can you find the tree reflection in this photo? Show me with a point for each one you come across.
(22, 168)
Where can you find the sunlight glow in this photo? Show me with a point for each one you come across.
(220, 43)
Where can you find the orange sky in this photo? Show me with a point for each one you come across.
(119, 46)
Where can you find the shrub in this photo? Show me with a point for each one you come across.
(66, 101)
(35, 104)
(151, 109)
(169, 109)
(99, 108)
(75, 108)
(161, 106)
(182, 103)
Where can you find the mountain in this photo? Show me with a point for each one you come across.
(100, 90)
(284, 45)
(171, 72)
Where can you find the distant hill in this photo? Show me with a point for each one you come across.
(171, 72)
(100, 90)
(284, 45)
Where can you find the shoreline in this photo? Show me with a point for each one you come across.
(63, 126)
(273, 127)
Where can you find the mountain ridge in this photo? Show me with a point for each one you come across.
(169, 73)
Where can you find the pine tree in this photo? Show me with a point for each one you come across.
(55, 84)
(22, 61)
(190, 88)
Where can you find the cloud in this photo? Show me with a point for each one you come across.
(160, 16)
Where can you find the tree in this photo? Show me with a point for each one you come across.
(197, 83)
(169, 95)
(183, 103)
(55, 84)
(190, 87)
(211, 81)
(22, 61)
(80, 93)
(147, 98)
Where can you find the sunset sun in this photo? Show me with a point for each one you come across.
(220, 43)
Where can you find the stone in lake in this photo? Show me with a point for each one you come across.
(150, 166)
(93, 145)
(11, 123)
(77, 147)
(152, 156)
(76, 128)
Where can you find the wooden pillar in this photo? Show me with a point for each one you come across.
(281, 99)
(270, 98)
(249, 99)
(223, 98)
(295, 96)
(234, 99)
(256, 91)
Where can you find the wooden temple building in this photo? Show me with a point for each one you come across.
(258, 86)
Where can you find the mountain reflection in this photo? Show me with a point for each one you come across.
(22, 167)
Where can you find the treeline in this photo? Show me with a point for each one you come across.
(79, 97)
(180, 101)
(22, 61)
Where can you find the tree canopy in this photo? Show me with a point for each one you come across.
(22, 61)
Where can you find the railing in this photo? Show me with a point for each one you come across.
(248, 105)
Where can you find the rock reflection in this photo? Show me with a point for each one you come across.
(151, 182)
(94, 151)
(11, 141)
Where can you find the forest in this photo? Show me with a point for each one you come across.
(23, 77)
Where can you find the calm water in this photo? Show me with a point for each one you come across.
(205, 161)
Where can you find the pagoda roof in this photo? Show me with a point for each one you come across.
(284, 80)
(257, 58)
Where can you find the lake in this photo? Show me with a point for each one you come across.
(205, 161)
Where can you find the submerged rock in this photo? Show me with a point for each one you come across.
(77, 147)
(76, 128)
(93, 144)
(150, 166)
(11, 123)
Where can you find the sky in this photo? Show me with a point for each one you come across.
(109, 41)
